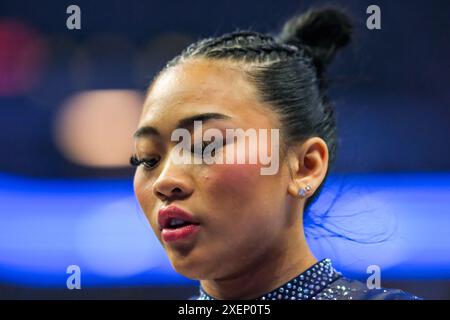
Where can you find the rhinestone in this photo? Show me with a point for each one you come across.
(312, 284)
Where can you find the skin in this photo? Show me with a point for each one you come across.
(251, 237)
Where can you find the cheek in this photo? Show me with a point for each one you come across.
(239, 193)
(139, 184)
(142, 190)
(231, 178)
(244, 214)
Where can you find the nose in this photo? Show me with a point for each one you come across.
(173, 183)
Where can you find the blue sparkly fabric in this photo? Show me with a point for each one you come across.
(323, 282)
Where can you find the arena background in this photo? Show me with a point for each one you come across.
(70, 100)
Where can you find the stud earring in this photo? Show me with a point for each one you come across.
(302, 192)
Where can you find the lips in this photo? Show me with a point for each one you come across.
(171, 217)
(176, 224)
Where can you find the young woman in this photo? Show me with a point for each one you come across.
(237, 230)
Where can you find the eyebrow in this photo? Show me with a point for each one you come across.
(147, 131)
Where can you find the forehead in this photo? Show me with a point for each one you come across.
(193, 85)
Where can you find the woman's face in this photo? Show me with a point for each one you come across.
(241, 213)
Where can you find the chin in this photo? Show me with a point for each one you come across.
(195, 270)
(191, 273)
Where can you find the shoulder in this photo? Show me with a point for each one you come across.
(347, 289)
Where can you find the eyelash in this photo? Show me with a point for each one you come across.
(149, 164)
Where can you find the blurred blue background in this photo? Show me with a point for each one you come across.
(70, 101)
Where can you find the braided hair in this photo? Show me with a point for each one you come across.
(288, 71)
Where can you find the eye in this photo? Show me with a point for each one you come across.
(204, 144)
(148, 164)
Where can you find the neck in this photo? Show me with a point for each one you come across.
(267, 273)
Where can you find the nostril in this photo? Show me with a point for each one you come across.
(176, 190)
(161, 195)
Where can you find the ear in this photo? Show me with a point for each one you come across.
(308, 164)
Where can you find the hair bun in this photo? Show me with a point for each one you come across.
(321, 32)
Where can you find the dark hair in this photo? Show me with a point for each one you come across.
(288, 71)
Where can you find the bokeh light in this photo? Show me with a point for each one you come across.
(95, 128)
(22, 56)
(112, 241)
